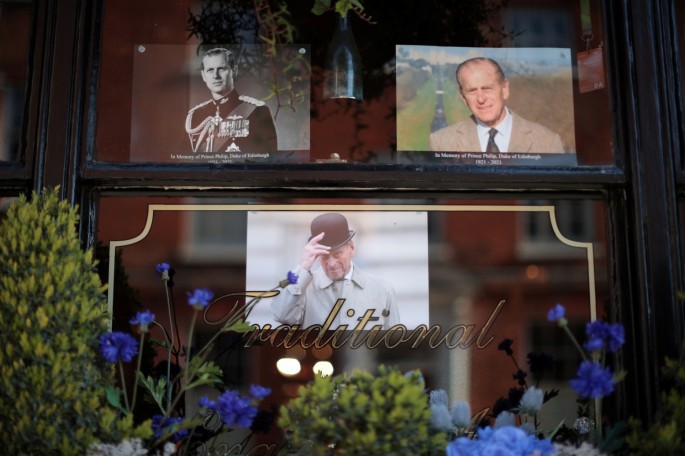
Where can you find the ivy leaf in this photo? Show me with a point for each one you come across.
(343, 6)
(321, 6)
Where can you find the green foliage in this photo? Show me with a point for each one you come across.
(340, 6)
(362, 413)
(666, 435)
(52, 308)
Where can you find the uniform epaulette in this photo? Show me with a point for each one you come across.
(251, 100)
(204, 103)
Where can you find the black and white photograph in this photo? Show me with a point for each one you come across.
(220, 104)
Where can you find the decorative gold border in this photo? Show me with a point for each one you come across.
(360, 208)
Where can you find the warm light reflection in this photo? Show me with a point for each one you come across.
(323, 368)
(288, 366)
(532, 271)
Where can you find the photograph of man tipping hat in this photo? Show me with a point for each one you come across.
(346, 258)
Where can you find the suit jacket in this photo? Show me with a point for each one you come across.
(526, 136)
(253, 129)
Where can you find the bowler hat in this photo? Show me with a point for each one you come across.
(334, 225)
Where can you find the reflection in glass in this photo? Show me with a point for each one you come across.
(366, 131)
(489, 279)
(15, 20)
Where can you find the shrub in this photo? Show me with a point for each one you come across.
(362, 413)
(52, 307)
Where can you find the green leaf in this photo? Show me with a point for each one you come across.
(321, 6)
(114, 397)
(156, 389)
(206, 374)
(239, 326)
(613, 440)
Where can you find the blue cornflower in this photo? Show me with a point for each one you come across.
(235, 410)
(118, 346)
(143, 319)
(200, 298)
(593, 380)
(206, 402)
(259, 392)
(292, 277)
(594, 344)
(507, 440)
(161, 268)
(161, 424)
(556, 313)
(600, 333)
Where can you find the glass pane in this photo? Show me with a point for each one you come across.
(553, 58)
(15, 23)
(473, 272)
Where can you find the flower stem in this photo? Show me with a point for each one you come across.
(232, 320)
(186, 377)
(135, 380)
(170, 345)
(123, 385)
(575, 342)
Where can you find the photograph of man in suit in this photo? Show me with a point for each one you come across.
(492, 127)
(327, 275)
(228, 121)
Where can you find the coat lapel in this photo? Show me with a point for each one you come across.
(521, 135)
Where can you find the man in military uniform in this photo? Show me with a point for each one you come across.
(228, 122)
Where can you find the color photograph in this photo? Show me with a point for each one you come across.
(331, 257)
(486, 106)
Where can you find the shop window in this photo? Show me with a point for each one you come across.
(214, 236)
(15, 20)
(575, 220)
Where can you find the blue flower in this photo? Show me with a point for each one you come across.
(506, 440)
(594, 344)
(206, 402)
(292, 277)
(161, 424)
(593, 380)
(259, 392)
(143, 319)
(118, 346)
(556, 313)
(200, 298)
(600, 333)
(235, 410)
(161, 268)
